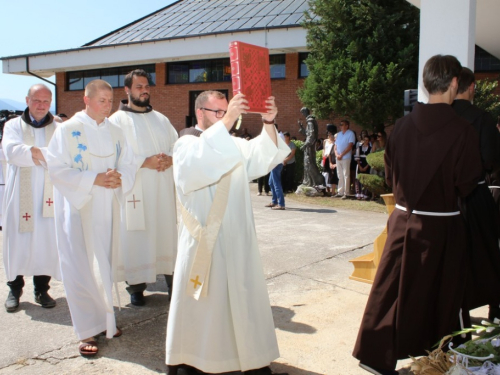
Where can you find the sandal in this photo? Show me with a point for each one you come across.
(117, 334)
(270, 205)
(278, 207)
(85, 352)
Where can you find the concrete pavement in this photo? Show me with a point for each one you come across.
(316, 308)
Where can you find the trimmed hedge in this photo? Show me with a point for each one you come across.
(375, 183)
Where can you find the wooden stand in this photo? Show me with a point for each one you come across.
(365, 266)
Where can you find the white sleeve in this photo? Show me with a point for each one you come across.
(75, 185)
(16, 152)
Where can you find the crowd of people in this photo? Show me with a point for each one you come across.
(341, 170)
(92, 201)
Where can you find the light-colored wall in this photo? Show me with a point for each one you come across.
(447, 27)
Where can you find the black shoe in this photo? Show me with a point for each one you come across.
(12, 302)
(263, 371)
(45, 300)
(377, 371)
(169, 279)
(493, 313)
(137, 299)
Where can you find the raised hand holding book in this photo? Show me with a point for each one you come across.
(250, 74)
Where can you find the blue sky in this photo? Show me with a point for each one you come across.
(63, 24)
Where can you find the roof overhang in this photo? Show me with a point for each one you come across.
(487, 25)
(46, 64)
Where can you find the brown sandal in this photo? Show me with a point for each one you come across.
(278, 207)
(88, 353)
(117, 334)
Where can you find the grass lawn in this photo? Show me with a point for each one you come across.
(349, 204)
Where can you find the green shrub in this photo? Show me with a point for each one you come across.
(485, 97)
(376, 160)
(375, 183)
(319, 156)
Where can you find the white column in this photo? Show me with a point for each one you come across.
(447, 27)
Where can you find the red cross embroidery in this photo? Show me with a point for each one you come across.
(133, 200)
(49, 202)
(26, 216)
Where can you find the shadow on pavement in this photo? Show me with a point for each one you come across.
(291, 370)
(160, 285)
(283, 320)
(56, 315)
(316, 210)
(143, 341)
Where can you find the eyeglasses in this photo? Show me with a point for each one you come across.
(219, 113)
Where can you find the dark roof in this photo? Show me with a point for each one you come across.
(186, 18)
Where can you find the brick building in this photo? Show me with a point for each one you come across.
(184, 47)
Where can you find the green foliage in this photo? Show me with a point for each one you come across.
(376, 160)
(485, 97)
(375, 183)
(319, 157)
(482, 345)
(363, 55)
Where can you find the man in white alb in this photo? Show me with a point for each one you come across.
(220, 318)
(29, 241)
(148, 230)
(92, 167)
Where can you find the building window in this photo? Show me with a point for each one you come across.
(304, 71)
(278, 66)
(218, 70)
(485, 62)
(114, 76)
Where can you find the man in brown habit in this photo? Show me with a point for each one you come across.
(432, 160)
(481, 211)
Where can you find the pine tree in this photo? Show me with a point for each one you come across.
(363, 55)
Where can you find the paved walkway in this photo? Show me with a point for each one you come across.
(317, 309)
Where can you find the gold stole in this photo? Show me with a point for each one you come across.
(206, 236)
(26, 206)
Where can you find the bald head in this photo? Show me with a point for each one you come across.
(38, 101)
(39, 87)
(98, 100)
(95, 86)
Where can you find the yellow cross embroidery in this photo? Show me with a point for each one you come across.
(196, 281)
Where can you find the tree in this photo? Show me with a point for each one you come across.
(485, 97)
(363, 55)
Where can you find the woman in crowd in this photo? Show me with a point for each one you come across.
(329, 168)
(380, 142)
(362, 167)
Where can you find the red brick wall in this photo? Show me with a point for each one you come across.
(173, 100)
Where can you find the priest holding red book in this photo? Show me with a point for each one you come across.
(220, 316)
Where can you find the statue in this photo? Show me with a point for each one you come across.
(312, 175)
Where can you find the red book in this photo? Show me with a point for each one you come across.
(250, 74)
